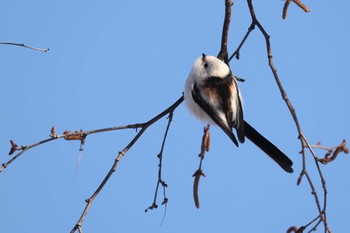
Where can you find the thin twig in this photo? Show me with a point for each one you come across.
(303, 140)
(26, 46)
(53, 137)
(323, 212)
(89, 201)
(22, 151)
(160, 180)
(236, 53)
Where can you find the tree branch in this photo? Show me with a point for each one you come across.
(77, 135)
(302, 138)
(160, 180)
(25, 46)
(223, 54)
(144, 126)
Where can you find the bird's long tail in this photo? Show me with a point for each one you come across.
(269, 148)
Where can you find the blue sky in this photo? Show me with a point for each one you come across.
(120, 62)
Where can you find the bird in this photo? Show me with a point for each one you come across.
(211, 93)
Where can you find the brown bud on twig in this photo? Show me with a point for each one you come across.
(165, 201)
(53, 132)
(66, 132)
(162, 182)
(296, 230)
(300, 178)
(77, 135)
(70, 136)
(83, 137)
(14, 147)
(153, 206)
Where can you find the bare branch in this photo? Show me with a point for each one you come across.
(223, 54)
(81, 135)
(236, 53)
(160, 180)
(23, 149)
(144, 126)
(26, 46)
(77, 135)
(303, 140)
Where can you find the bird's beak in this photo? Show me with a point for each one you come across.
(203, 56)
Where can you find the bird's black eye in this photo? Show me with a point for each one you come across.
(205, 65)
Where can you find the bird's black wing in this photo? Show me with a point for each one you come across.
(203, 103)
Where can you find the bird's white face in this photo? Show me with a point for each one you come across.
(208, 66)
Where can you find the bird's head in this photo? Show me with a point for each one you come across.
(209, 66)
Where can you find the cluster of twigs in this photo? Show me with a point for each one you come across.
(81, 135)
(330, 156)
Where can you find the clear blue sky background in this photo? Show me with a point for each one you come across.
(118, 62)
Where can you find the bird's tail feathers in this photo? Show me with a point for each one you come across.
(270, 149)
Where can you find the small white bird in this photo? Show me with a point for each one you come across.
(212, 94)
